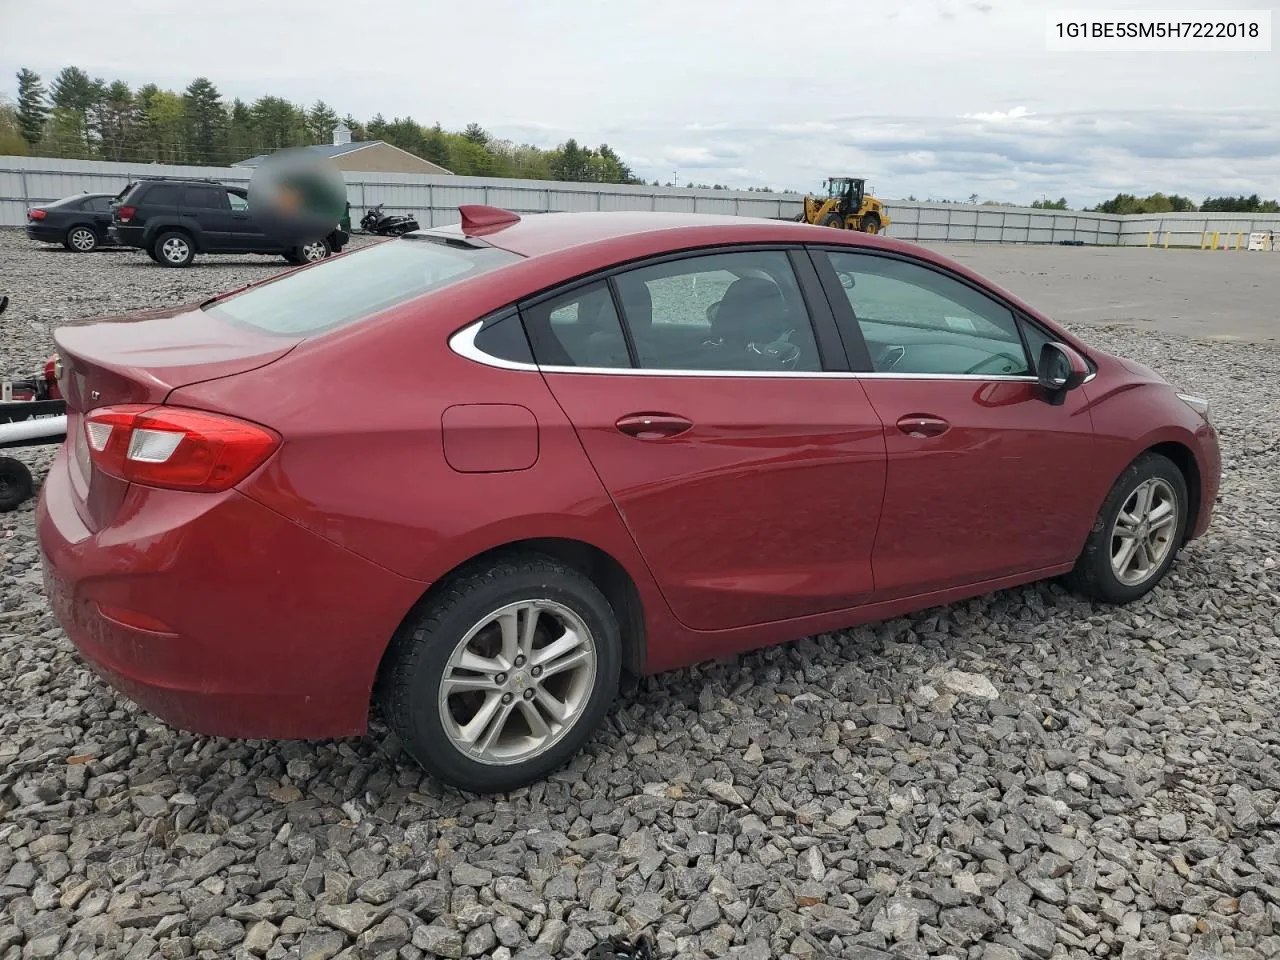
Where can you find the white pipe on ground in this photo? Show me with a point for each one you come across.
(33, 429)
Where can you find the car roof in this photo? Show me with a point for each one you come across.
(539, 234)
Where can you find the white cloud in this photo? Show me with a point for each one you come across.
(1000, 116)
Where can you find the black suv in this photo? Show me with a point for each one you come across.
(173, 219)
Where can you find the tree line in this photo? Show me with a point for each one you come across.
(86, 118)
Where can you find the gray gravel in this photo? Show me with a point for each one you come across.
(1025, 775)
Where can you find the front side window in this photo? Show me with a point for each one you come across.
(918, 320)
(727, 312)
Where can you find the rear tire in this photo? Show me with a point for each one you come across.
(173, 249)
(80, 239)
(1148, 508)
(469, 690)
(16, 484)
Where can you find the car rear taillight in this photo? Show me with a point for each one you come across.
(126, 213)
(175, 447)
(36, 214)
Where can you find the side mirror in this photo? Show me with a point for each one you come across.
(1060, 370)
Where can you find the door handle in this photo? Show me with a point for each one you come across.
(653, 426)
(921, 426)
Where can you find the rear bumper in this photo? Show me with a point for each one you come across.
(44, 234)
(218, 615)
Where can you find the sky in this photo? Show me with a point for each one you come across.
(928, 98)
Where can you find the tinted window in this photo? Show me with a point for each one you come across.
(918, 320)
(161, 195)
(204, 198)
(98, 204)
(237, 202)
(65, 203)
(359, 285)
(578, 329)
(503, 338)
(728, 311)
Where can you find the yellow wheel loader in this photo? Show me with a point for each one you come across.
(847, 206)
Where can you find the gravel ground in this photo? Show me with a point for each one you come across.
(1024, 775)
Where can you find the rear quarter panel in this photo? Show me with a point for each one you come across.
(364, 466)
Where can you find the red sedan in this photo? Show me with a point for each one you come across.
(472, 474)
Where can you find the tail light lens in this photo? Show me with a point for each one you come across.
(36, 214)
(175, 447)
(126, 213)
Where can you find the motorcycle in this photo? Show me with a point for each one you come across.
(387, 225)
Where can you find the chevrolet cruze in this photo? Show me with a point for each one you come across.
(472, 474)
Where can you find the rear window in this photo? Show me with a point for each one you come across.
(364, 282)
(72, 202)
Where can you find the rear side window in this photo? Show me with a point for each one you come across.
(161, 195)
(204, 198)
(578, 329)
(342, 291)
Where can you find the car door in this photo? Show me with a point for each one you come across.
(749, 471)
(98, 209)
(249, 234)
(984, 475)
(206, 205)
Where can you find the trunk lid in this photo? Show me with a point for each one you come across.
(142, 359)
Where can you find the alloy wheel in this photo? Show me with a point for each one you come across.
(175, 250)
(517, 682)
(314, 251)
(83, 239)
(1143, 532)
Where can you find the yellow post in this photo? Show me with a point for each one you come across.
(1150, 237)
(1166, 239)
(1215, 239)
(1204, 239)
(1239, 236)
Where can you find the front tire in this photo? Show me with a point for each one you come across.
(833, 219)
(80, 239)
(309, 252)
(871, 223)
(1137, 533)
(173, 249)
(503, 676)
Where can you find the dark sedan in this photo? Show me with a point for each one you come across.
(77, 222)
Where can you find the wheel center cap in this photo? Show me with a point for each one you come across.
(518, 681)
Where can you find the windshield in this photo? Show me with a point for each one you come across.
(354, 287)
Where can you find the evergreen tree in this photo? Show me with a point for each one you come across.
(321, 120)
(74, 96)
(206, 122)
(33, 106)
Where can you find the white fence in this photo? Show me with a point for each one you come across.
(434, 200)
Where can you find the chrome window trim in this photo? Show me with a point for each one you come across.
(463, 343)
